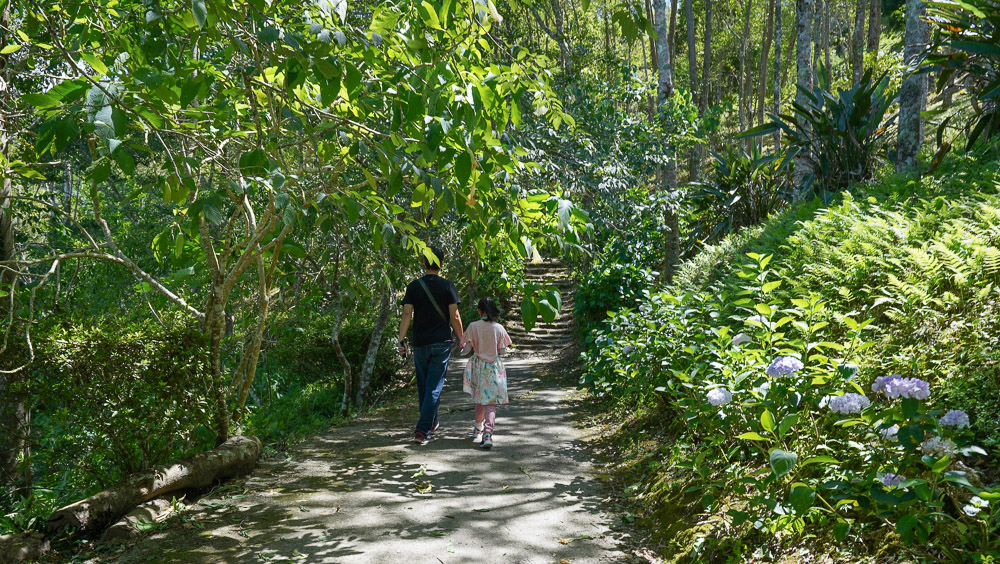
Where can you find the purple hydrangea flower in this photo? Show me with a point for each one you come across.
(891, 480)
(741, 339)
(895, 386)
(784, 366)
(719, 396)
(939, 447)
(955, 418)
(849, 403)
(879, 384)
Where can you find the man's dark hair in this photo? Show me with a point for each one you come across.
(438, 253)
(489, 308)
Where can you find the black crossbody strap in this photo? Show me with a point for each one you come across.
(433, 301)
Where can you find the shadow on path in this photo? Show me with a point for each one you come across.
(364, 492)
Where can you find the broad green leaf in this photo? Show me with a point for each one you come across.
(751, 436)
(767, 421)
(770, 286)
(40, 101)
(429, 15)
(463, 168)
(14, 48)
(529, 313)
(782, 462)
(802, 498)
(200, 12)
(95, 63)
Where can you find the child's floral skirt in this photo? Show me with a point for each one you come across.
(485, 381)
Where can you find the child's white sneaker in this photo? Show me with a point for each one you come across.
(477, 432)
(487, 443)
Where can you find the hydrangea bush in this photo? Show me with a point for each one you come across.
(768, 390)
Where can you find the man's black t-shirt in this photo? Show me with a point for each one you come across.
(428, 325)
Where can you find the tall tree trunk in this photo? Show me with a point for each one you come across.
(911, 94)
(874, 25)
(817, 33)
(777, 69)
(826, 41)
(744, 74)
(705, 96)
(652, 58)
(557, 15)
(692, 54)
(672, 35)
(668, 175)
(15, 416)
(857, 42)
(765, 51)
(803, 74)
(374, 344)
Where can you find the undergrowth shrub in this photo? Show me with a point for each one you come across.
(898, 277)
(787, 432)
(120, 398)
(610, 288)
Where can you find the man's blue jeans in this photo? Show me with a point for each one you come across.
(431, 362)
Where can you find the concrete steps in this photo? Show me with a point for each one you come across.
(545, 337)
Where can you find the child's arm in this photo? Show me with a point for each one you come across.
(503, 342)
(466, 343)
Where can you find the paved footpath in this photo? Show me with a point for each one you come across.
(364, 493)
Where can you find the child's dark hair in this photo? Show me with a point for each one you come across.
(489, 308)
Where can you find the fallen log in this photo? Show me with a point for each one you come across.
(90, 516)
(23, 548)
(128, 527)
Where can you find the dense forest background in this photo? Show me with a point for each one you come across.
(209, 210)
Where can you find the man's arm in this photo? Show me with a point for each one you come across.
(404, 326)
(456, 321)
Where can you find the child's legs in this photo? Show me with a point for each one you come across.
(490, 415)
(480, 413)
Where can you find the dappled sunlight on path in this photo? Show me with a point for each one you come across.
(365, 493)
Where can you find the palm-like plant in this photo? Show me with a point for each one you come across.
(744, 189)
(842, 135)
(967, 51)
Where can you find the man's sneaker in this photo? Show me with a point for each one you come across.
(430, 434)
(420, 438)
(487, 443)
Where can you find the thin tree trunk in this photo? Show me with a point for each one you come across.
(912, 92)
(652, 58)
(826, 41)
(764, 53)
(665, 89)
(743, 77)
(15, 416)
(705, 95)
(374, 344)
(803, 74)
(874, 25)
(817, 32)
(777, 69)
(672, 35)
(857, 42)
(692, 54)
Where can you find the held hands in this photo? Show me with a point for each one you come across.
(402, 349)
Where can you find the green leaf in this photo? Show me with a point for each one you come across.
(751, 437)
(906, 523)
(840, 530)
(820, 460)
(463, 168)
(268, 34)
(252, 162)
(770, 286)
(529, 313)
(10, 49)
(200, 12)
(782, 462)
(293, 249)
(976, 47)
(767, 421)
(41, 101)
(95, 63)
(802, 498)
(429, 15)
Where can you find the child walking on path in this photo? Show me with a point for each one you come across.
(485, 376)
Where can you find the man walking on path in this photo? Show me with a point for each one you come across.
(432, 303)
